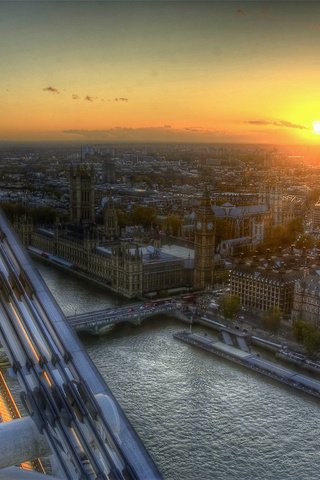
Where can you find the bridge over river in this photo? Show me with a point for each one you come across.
(99, 322)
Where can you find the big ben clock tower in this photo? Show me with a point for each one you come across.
(204, 242)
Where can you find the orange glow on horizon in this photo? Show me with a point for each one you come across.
(148, 71)
(316, 127)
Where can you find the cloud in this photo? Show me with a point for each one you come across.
(315, 26)
(120, 99)
(88, 98)
(51, 89)
(205, 131)
(75, 97)
(163, 133)
(267, 11)
(277, 123)
(241, 13)
(196, 129)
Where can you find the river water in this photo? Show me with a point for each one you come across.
(201, 418)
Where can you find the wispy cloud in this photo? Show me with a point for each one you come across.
(241, 13)
(267, 11)
(315, 26)
(160, 133)
(87, 98)
(277, 123)
(51, 89)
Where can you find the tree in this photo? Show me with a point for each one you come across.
(311, 341)
(39, 215)
(308, 335)
(123, 218)
(298, 329)
(14, 210)
(283, 235)
(174, 224)
(295, 226)
(142, 215)
(272, 319)
(305, 241)
(42, 215)
(229, 305)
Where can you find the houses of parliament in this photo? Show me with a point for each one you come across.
(98, 251)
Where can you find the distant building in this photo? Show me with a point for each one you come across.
(272, 195)
(238, 228)
(267, 283)
(126, 268)
(204, 244)
(316, 215)
(108, 169)
(235, 198)
(292, 207)
(82, 202)
(306, 303)
(246, 221)
(110, 220)
(283, 208)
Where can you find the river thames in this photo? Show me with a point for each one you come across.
(200, 417)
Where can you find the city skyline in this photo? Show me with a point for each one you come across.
(160, 71)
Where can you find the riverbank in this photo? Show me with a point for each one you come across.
(253, 362)
(72, 271)
(196, 419)
(280, 350)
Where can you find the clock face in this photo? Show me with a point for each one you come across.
(210, 226)
(199, 225)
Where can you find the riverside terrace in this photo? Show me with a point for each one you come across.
(99, 322)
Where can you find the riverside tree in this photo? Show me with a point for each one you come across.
(229, 305)
(272, 318)
(308, 335)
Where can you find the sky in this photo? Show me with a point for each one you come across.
(160, 71)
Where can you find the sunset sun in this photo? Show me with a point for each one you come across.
(316, 127)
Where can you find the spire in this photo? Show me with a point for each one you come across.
(206, 199)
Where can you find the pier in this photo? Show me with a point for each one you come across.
(252, 361)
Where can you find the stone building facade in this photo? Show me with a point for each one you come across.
(108, 169)
(204, 244)
(306, 303)
(82, 202)
(110, 220)
(246, 221)
(265, 284)
(282, 207)
(125, 268)
(316, 215)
